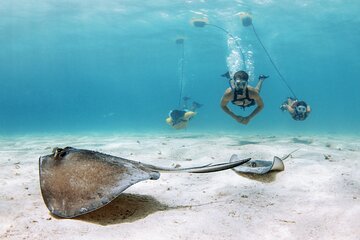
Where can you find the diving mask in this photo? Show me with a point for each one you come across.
(301, 109)
(238, 83)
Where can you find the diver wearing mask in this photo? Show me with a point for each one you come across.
(299, 110)
(242, 95)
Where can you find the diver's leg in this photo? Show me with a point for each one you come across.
(290, 109)
(291, 101)
(259, 85)
(287, 105)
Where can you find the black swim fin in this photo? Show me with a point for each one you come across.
(196, 105)
(263, 76)
(226, 75)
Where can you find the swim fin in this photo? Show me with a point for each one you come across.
(226, 75)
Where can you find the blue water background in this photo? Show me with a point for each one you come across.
(91, 66)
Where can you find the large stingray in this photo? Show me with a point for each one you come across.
(77, 181)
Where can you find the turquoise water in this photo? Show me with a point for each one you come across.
(114, 66)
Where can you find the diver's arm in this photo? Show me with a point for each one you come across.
(224, 102)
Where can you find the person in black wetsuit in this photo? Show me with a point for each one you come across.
(240, 94)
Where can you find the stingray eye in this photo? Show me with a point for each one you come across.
(58, 153)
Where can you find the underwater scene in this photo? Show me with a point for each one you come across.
(245, 112)
(121, 66)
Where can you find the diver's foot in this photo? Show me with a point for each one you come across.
(226, 75)
(196, 105)
(263, 77)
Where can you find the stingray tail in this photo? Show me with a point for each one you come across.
(202, 169)
(288, 155)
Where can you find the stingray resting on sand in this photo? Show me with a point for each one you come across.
(77, 181)
(261, 166)
(256, 169)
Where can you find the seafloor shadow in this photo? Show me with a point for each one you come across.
(125, 208)
(244, 142)
(264, 178)
(303, 141)
(187, 136)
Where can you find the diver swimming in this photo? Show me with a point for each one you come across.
(179, 118)
(241, 94)
(299, 110)
(235, 93)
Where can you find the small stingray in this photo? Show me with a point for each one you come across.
(77, 181)
(261, 167)
(303, 141)
(246, 142)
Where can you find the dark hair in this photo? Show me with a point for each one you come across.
(242, 75)
(301, 103)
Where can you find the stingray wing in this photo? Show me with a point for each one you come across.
(75, 182)
(278, 164)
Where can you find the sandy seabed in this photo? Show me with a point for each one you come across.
(316, 197)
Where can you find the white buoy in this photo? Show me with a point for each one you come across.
(199, 22)
(246, 19)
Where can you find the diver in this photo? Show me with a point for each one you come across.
(299, 110)
(240, 94)
(179, 119)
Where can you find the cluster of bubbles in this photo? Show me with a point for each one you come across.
(238, 60)
(249, 63)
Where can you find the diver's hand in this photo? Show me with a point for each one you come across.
(238, 119)
(245, 120)
(242, 120)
